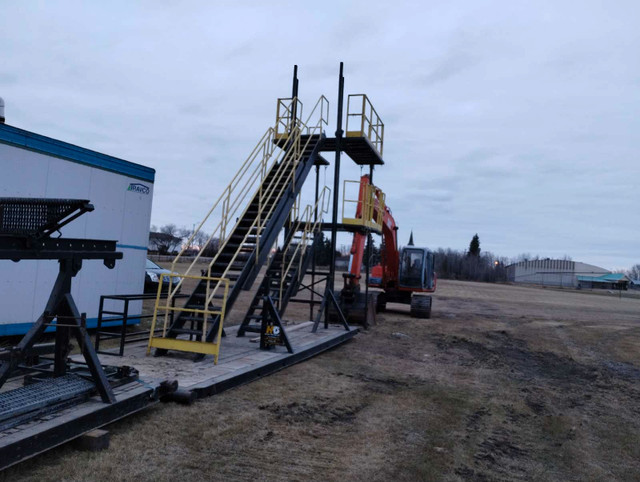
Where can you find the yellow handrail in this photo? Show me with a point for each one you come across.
(262, 162)
(202, 346)
(372, 211)
(369, 123)
(289, 111)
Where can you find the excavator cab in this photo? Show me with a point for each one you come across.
(416, 268)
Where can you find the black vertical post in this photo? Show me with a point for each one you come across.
(314, 246)
(99, 325)
(294, 123)
(336, 181)
(294, 89)
(125, 320)
(294, 95)
(63, 332)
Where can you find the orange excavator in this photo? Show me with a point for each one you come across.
(404, 275)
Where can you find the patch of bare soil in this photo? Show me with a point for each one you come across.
(503, 383)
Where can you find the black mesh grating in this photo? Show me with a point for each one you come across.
(36, 216)
(40, 394)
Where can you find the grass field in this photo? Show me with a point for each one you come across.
(503, 383)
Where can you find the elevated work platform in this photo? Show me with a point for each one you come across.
(359, 149)
(364, 140)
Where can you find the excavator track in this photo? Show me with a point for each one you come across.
(421, 306)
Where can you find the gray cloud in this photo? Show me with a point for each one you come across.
(517, 122)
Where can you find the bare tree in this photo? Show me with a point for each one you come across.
(200, 239)
(634, 272)
(171, 229)
(165, 241)
(186, 233)
(211, 248)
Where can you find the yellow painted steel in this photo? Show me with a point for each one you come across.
(188, 346)
(307, 224)
(203, 346)
(373, 206)
(364, 121)
(287, 113)
(234, 201)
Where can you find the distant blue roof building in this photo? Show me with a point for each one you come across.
(605, 281)
(564, 273)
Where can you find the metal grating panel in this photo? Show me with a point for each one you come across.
(38, 395)
(31, 216)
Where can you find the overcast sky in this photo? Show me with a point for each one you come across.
(515, 120)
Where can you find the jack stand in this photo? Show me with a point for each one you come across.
(272, 332)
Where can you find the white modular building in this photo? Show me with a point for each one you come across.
(35, 166)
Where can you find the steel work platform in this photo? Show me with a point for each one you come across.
(38, 435)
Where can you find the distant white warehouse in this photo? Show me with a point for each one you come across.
(564, 273)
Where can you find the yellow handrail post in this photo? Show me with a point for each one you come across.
(363, 114)
(202, 346)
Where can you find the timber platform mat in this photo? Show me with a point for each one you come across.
(240, 359)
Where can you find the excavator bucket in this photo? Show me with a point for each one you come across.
(358, 309)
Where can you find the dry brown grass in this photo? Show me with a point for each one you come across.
(503, 383)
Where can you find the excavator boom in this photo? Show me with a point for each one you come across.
(405, 275)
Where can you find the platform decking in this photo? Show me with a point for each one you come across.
(240, 361)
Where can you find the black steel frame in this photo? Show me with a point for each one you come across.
(33, 243)
(124, 317)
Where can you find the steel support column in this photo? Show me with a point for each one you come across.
(336, 181)
(314, 247)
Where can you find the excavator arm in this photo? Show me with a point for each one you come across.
(359, 239)
(390, 257)
(389, 253)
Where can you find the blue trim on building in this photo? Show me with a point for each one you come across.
(12, 329)
(36, 142)
(132, 246)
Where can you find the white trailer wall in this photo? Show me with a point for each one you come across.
(121, 192)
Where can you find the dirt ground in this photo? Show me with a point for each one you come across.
(503, 383)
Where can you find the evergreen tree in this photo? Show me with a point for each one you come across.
(474, 246)
(323, 251)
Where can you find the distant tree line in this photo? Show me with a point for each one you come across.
(323, 251)
(633, 272)
(169, 240)
(472, 264)
(460, 265)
